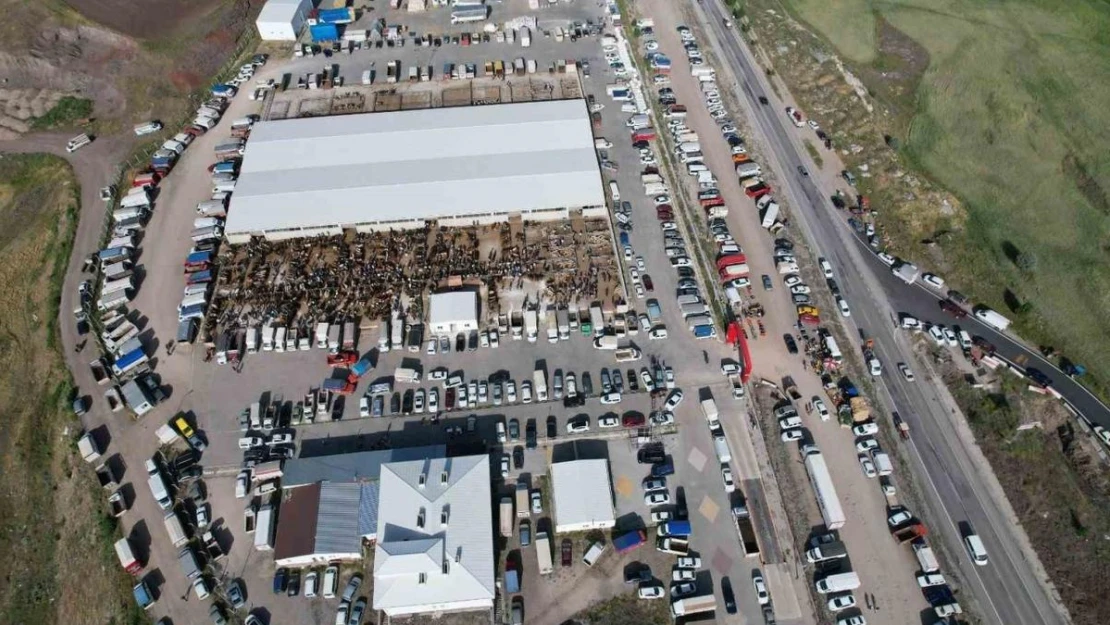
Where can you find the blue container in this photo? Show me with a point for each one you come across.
(324, 32)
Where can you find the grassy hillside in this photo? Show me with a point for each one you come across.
(1009, 115)
(55, 538)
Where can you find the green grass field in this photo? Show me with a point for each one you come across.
(1010, 116)
(55, 535)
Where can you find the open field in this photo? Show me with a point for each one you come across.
(54, 534)
(1056, 484)
(1000, 104)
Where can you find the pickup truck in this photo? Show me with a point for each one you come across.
(105, 476)
(212, 547)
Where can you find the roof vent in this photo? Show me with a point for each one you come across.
(423, 479)
(446, 567)
(444, 477)
(420, 518)
(444, 515)
(422, 578)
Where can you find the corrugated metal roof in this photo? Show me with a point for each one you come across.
(337, 519)
(406, 165)
(360, 466)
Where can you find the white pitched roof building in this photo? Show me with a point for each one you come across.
(434, 550)
(375, 171)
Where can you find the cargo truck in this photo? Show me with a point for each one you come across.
(993, 319)
(88, 448)
(396, 333)
(694, 605)
(127, 557)
(552, 328)
(143, 596)
(188, 561)
(823, 488)
(507, 517)
(749, 541)
(632, 540)
(264, 530)
(539, 381)
(543, 553)
(826, 551)
(176, 531)
(522, 509)
(530, 326)
(597, 321)
(563, 322)
(838, 582)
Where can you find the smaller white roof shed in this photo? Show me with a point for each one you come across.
(451, 312)
(583, 496)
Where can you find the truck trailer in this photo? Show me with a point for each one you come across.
(823, 488)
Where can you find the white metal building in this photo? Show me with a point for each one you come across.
(452, 312)
(435, 539)
(376, 171)
(583, 496)
(282, 20)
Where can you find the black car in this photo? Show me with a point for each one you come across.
(518, 457)
(685, 272)
(651, 454)
(460, 342)
(472, 343)
(637, 572)
(406, 403)
(791, 346)
(639, 145)
(152, 388)
(552, 427)
(185, 459)
(293, 588)
(587, 384)
(763, 100)
(514, 429)
(785, 244)
(633, 381)
(734, 141)
(833, 286)
(767, 284)
(395, 403)
(530, 434)
(726, 592)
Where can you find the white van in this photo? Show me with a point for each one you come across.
(148, 128)
(78, 142)
(976, 549)
(593, 553)
(614, 190)
(331, 581)
(720, 444)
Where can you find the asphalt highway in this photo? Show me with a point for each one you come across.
(962, 494)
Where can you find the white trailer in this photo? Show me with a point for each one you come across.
(823, 487)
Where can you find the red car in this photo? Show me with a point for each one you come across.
(648, 285)
(953, 309)
(449, 399)
(633, 420)
(567, 550)
(342, 359)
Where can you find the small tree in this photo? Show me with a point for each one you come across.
(1027, 261)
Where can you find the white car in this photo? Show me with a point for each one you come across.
(609, 421)
(364, 406)
(578, 425)
(668, 375)
(433, 400)
(432, 345)
(494, 339)
(661, 516)
(790, 423)
(726, 475)
(655, 483)
(792, 281)
(842, 602)
(906, 372)
(875, 367)
(822, 410)
(866, 429)
(651, 591)
(662, 418)
(761, 590)
(813, 125)
(668, 225)
(436, 375)
(843, 306)
(1103, 434)
(645, 377)
(645, 322)
(950, 337)
(937, 335)
(537, 502)
(504, 465)
(640, 264)
(510, 392)
(658, 333)
(909, 323)
(685, 589)
(418, 401)
(242, 483)
(887, 259)
(930, 579)
(899, 518)
(739, 283)
(689, 562)
(790, 436)
(657, 498)
(866, 445)
(451, 382)
(609, 399)
(634, 274)
(526, 392)
(730, 368)
(933, 280)
(800, 289)
(673, 400)
(683, 575)
(826, 268)
(867, 466)
(639, 290)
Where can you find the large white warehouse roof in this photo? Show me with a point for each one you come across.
(583, 495)
(447, 163)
